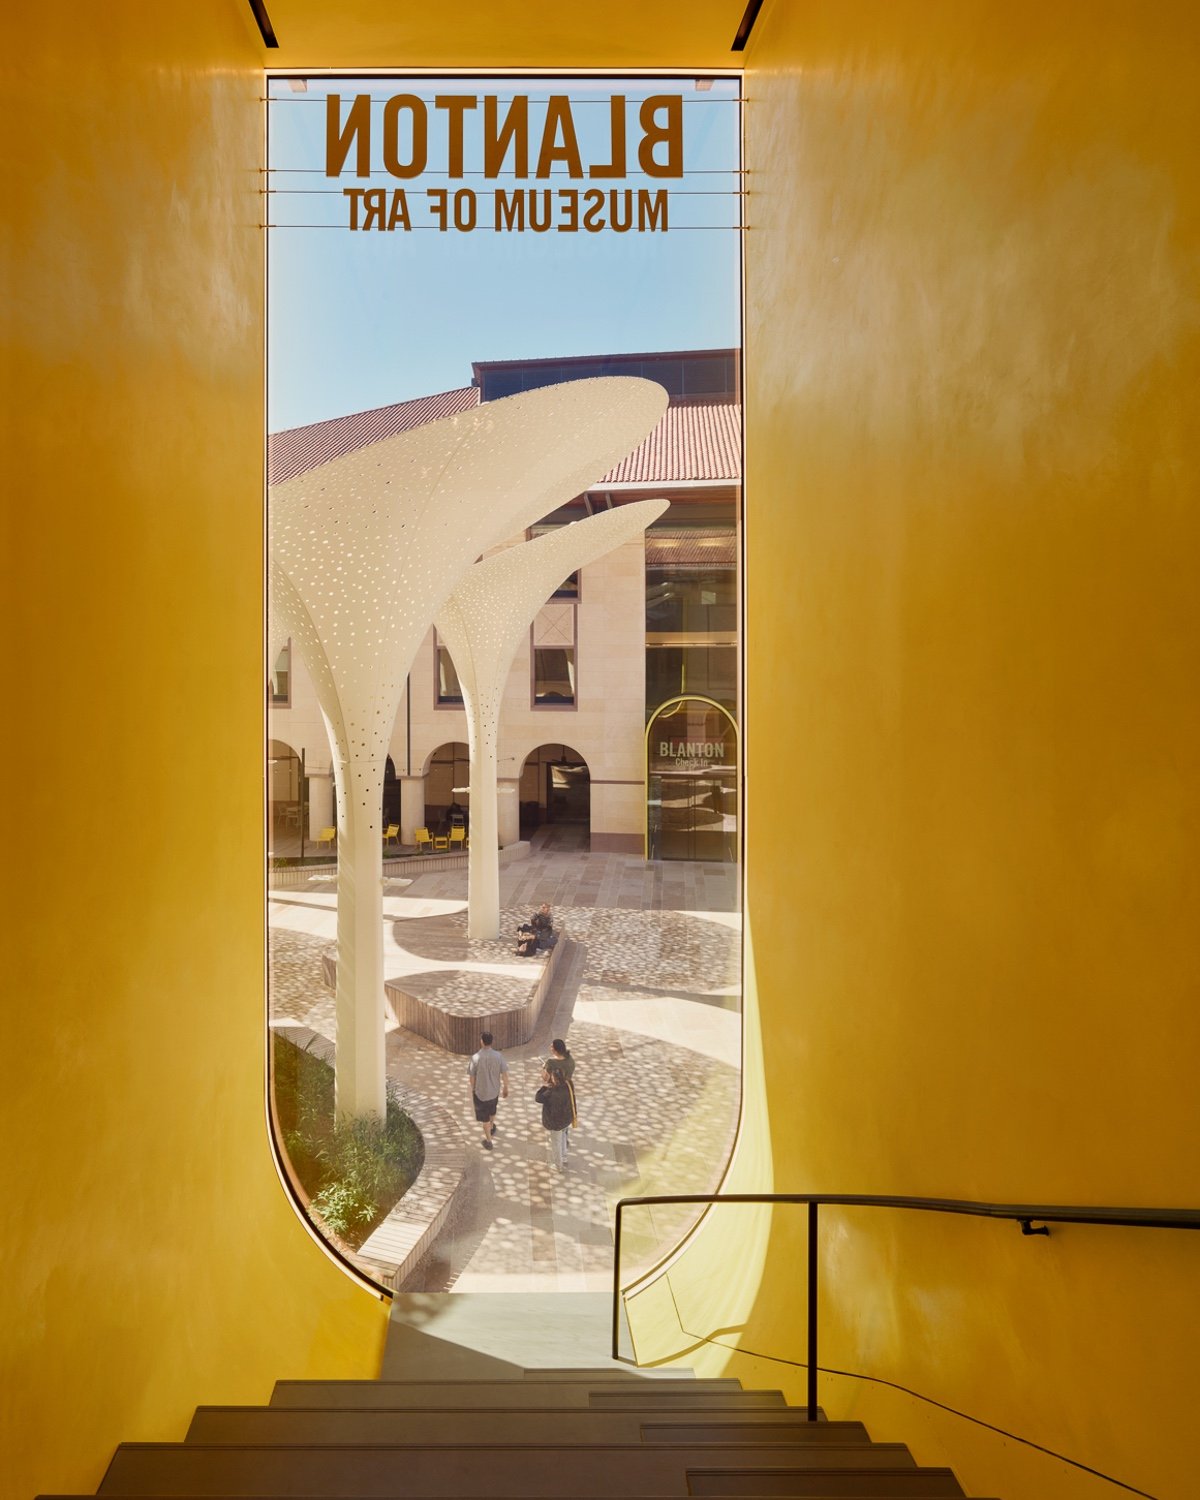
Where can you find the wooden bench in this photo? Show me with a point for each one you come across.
(452, 1006)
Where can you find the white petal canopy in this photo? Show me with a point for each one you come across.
(482, 623)
(364, 551)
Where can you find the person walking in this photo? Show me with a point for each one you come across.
(560, 1057)
(489, 1084)
(558, 1112)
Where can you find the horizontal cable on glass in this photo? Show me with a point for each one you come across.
(491, 192)
(553, 176)
(306, 98)
(490, 229)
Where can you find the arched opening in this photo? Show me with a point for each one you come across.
(447, 773)
(555, 795)
(286, 800)
(691, 781)
(391, 793)
(645, 985)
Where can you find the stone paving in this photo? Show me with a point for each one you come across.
(649, 1007)
(461, 994)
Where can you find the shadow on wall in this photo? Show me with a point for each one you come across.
(695, 1307)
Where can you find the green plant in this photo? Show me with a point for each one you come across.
(354, 1170)
(340, 1206)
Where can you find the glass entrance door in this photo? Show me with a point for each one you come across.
(691, 782)
(693, 821)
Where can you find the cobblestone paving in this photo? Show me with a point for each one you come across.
(463, 993)
(648, 1008)
(297, 991)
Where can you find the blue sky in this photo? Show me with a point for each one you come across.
(363, 319)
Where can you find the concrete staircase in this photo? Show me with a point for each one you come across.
(462, 1422)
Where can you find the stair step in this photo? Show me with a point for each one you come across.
(862, 1484)
(506, 1395)
(603, 1400)
(786, 1427)
(276, 1426)
(519, 1472)
(668, 1376)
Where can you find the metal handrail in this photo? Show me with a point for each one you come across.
(1032, 1217)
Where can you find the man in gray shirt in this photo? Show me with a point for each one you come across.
(489, 1083)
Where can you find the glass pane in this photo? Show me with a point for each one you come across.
(281, 676)
(448, 687)
(463, 320)
(709, 671)
(553, 675)
(691, 777)
(688, 597)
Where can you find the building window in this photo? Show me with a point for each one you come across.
(553, 641)
(279, 684)
(447, 689)
(554, 677)
(690, 602)
(707, 669)
(569, 587)
(692, 614)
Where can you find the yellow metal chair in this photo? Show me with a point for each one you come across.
(424, 841)
(326, 836)
(391, 834)
(458, 835)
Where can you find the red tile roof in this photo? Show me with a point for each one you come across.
(698, 439)
(300, 448)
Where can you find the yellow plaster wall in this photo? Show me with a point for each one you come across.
(973, 313)
(150, 1260)
(507, 34)
(972, 339)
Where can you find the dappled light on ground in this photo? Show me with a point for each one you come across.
(648, 1005)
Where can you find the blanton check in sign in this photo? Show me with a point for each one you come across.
(506, 147)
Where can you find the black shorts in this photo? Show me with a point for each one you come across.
(485, 1109)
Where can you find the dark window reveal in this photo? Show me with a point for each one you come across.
(553, 677)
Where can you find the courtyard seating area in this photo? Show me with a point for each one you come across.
(648, 1000)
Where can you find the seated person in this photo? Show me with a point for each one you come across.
(527, 942)
(543, 924)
